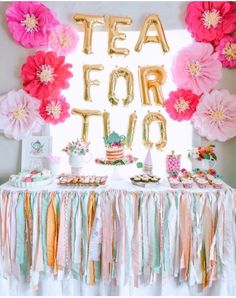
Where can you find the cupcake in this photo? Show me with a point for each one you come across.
(217, 183)
(174, 183)
(187, 183)
(210, 178)
(202, 182)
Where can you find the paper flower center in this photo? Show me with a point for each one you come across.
(217, 116)
(19, 114)
(211, 18)
(54, 109)
(229, 51)
(181, 105)
(46, 74)
(64, 41)
(195, 68)
(30, 23)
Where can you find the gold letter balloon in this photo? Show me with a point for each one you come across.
(114, 34)
(147, 84)
(130, 131)
(87, 80)
(147, 121)
(152, 20)
(114, 76)
(88, 22)
(85, 114)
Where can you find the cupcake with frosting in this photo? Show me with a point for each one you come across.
(202, 182)
(217, 183)
(187, 182)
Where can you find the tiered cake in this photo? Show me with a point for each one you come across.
(114, 146)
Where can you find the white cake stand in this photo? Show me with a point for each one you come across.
(116, 175)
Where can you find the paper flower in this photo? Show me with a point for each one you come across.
(210, 21)
(227, 51)
(30, 23)
(197, 68)
(215, 117)
(19, 115)
(54, 110)
(45, 74)
(63, 39)
(181, 104)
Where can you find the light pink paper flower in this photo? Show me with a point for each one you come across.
(54, 110)
(210, 21)
(30, 23)
(227, 51)
(215, 117)
(197, 68)
(63, 39)
(19, 115)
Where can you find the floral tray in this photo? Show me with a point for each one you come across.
(129, 159)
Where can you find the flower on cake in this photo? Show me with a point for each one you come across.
(215, 117)
(227, 51)
(45, 74)
(197, 68)
(54, 110)
(30, 23)
(63, 39)
(210, 21)
(181, 104)
(19, 115)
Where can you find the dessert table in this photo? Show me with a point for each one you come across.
(118, 239)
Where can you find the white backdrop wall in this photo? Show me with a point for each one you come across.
(12, 56)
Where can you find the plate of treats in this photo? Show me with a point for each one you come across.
(144, 179)
(31, 179)
(73, 180)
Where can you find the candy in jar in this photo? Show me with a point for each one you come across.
(173, 162)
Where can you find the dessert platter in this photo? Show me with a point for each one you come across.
(144, 179)
(73, 180)
(31, 179)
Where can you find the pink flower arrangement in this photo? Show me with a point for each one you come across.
(181, 104)
(215, 117)
(55, 110)
(30, 23)
(197, 68)
(45, 74)
(210, 21)
(227, 51)
(19, 115)
(63, 39)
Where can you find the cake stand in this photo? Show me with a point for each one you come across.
(116, 165)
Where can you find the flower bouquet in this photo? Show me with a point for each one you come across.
(203, 157)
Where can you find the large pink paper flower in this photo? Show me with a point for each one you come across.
(227, 51)
(19, 115)
(215, 117)
(54, 110)
(30, 23)
(63, 39)
(210, 21)
(45, 74)
(181, 104)
(197, 68)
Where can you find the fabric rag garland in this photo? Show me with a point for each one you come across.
(30, 23)
(19, 114)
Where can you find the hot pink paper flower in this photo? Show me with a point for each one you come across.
(30, 23)
(181, 104)
(227, 51)
(215, 117)
(63, 39)
(54, 110)
(19, 115)
(210, 21)
(45, 74)
(197, 68)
